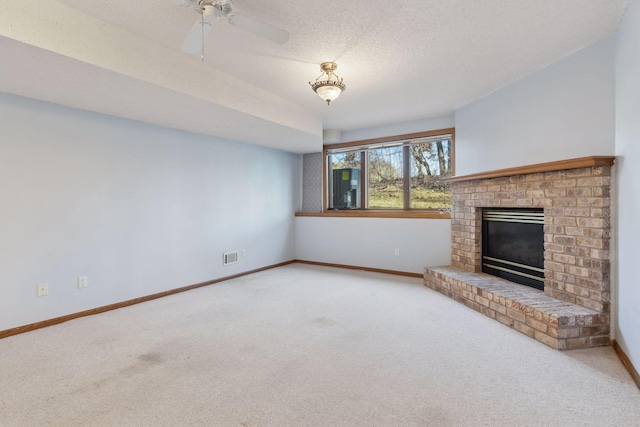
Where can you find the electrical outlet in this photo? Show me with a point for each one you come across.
(83, 282)
(397, 252)
(244, 252)
(42, 289)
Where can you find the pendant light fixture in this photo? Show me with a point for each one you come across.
(328, 85)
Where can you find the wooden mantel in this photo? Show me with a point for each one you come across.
(581, 162)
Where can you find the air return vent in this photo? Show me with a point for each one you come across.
(229, 258)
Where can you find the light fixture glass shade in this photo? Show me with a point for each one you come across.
(328, 92)
(331, 86)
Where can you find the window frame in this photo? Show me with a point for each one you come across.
(405, 212)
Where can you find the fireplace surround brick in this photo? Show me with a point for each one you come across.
(558, 324)
(575, 196)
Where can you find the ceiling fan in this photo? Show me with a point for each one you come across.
(212, 10)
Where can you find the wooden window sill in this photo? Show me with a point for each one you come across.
(371, 213)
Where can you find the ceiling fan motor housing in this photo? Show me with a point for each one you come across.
(211, 11)
(217, 7)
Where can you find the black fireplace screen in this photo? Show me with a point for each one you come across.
(513, 245)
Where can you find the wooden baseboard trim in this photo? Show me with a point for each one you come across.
(353, 267)
(626, 362)
(66, 318)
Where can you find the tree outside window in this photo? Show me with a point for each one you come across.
(396, 174)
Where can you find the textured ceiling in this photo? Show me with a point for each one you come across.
(401, 60)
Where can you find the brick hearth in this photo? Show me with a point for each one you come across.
(574, 309)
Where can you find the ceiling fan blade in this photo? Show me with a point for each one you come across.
(260, 29)
(193, 43)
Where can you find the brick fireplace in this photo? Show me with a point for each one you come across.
(573, 311)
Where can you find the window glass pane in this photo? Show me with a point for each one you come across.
(395, 174)
(385, 178)
(347, 159)
(430, 161)
(345, 180)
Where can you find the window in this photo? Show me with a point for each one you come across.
(397, 173)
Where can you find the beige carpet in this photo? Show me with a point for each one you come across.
(305, 346)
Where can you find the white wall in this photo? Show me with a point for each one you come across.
(566, 110)
(137, 208)
(371, 242)
(627, 300)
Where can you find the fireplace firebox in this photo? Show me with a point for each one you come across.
(513, 245)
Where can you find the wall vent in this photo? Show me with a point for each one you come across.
(229, 258)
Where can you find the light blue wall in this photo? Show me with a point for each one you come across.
(137, 208)
(401, 128)
(371, 242)
(627, 301)
(563, 111)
